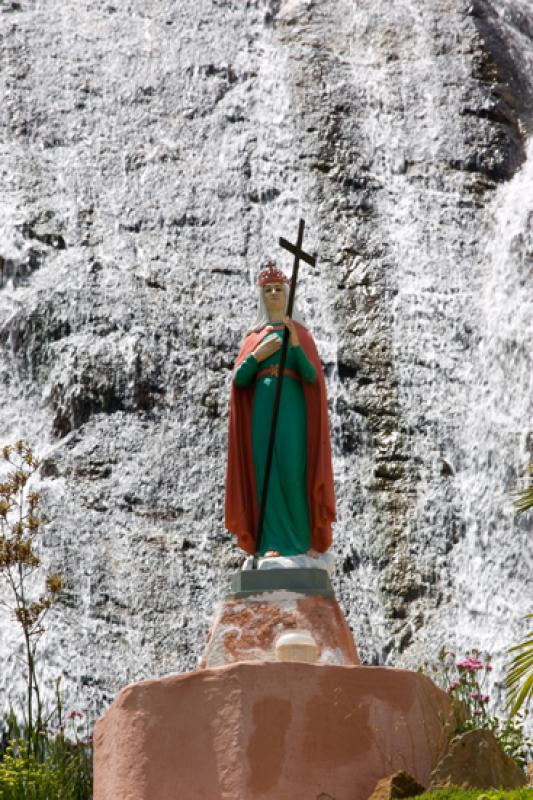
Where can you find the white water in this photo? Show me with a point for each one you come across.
(464, 344)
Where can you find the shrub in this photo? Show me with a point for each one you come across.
(37, 762)
(20, 526)
(466, 681)
(63, 771)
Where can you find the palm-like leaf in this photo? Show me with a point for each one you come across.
(524, 497)
(519, 679)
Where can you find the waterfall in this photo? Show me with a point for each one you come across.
(463, 345)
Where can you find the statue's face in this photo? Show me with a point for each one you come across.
(274, 297)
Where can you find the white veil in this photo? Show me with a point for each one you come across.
(263, 319)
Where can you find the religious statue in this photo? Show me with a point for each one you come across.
(300, 504)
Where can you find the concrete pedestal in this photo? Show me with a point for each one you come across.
(268, 732)
(264, 604)
(245, 628)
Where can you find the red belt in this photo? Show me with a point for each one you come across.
(273, 371)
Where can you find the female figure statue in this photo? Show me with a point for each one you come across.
(301, 502)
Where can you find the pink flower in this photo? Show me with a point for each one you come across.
(477, 712)
(470, 664)
(483, 698)
(75, 714)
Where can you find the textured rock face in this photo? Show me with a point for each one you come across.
(401, 784)
(152, 154)
(476, 760)
(268, 731)
(246, 629)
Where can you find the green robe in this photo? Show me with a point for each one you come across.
(286, 525)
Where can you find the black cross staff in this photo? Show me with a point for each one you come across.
(298, 253)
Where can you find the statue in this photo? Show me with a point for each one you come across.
(300, 505)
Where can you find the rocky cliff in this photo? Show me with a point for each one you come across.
(151, 156)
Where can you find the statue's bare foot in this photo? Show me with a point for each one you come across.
(312, 553)
(271, 554)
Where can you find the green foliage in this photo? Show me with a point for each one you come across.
(22, 777)
(519, 679)
(59, 769)
(466, 681)
(476, 794)
(64, 774)
(524, 497)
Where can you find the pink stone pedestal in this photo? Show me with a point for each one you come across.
(268, 731)
(246, 628)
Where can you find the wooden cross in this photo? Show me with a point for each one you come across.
(296, 250)
(298, 254)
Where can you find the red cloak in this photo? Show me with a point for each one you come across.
(241, 506)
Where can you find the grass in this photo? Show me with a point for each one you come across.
(477, 794)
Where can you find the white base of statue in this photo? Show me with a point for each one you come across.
(324, 561)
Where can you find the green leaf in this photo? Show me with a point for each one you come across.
(519, 678)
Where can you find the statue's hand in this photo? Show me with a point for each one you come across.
(293, 336)
(267, 347)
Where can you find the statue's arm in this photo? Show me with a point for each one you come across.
(245, 373)
(305, 368)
